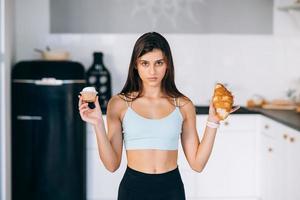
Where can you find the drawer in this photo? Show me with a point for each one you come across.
(268, 125)
(240, 122)
(273, 129)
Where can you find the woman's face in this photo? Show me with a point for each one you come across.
(152, 67)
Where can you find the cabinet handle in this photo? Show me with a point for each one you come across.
(226, 123)
(270, 149)
(285, 136)
(292, 139)
(27, 117)
(267, 126)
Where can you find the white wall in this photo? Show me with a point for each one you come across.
(2, 180)
(250, 64)
(5, 100)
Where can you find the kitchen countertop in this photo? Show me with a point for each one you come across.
(242, 110)
(287, 117)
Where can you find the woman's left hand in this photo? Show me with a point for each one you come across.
(212, 114)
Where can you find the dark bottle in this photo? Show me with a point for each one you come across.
(99, 77)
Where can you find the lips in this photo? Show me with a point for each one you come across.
(152, 78)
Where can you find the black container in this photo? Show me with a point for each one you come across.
(99, 77)
(48, 135)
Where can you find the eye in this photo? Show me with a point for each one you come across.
(160, 62)
(144, 64)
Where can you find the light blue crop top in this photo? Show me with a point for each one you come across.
(143, 133)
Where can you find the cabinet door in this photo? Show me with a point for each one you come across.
(230, 170)
(280, 161)
(272, 167)
(293, 165)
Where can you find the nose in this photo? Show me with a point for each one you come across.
(152, 70)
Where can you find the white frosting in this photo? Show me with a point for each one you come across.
(89, 89)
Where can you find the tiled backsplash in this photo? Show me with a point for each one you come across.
(249, 64)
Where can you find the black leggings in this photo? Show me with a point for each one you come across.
(137, 185)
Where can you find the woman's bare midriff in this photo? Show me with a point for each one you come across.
(152, 161)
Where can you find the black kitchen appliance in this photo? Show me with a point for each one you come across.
(48, 136)
(99, 77)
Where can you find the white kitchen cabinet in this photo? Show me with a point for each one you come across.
(101, 184)
(292, 190)
(279, 161)
(253, 157)
(231, 171)
(272, 169)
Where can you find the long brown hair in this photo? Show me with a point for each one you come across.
(147, 43)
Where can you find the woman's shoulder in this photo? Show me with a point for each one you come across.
(186, 106)
(183, 101)
(121, 100)
(116, 104)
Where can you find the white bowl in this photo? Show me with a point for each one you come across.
(55, 55)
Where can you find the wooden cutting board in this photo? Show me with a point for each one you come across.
(279, 107)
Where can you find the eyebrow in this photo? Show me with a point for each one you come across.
(155, 61)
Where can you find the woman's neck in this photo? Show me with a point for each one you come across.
(152, 92)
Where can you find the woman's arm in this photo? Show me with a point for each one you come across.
(110, 144)
(196, 152)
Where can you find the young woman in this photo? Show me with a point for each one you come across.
(150, 115)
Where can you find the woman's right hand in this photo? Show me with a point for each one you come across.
(92, 116)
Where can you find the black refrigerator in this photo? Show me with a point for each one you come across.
(48, 136)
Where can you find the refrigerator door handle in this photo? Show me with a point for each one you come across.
(49, 81)
(28, 117)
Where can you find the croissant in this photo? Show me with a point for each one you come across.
(222, 101)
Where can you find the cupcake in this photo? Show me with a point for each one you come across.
(222, 101)
(89, 94)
